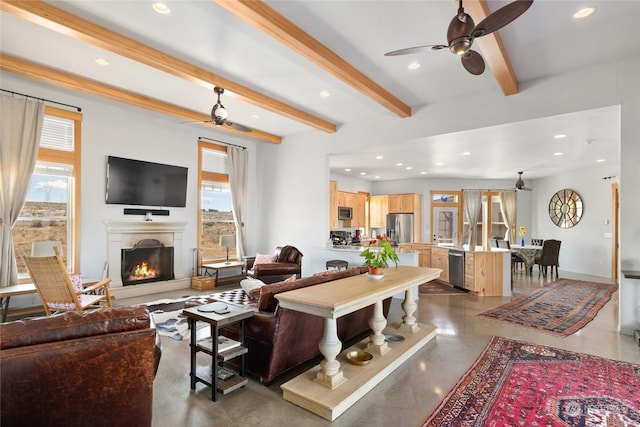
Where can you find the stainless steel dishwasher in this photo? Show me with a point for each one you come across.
(456, 268)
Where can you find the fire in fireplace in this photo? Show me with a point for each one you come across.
(148, 261)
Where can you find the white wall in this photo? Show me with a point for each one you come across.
(585, 248)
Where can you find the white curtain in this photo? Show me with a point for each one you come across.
(20, 129)
(472, 212)
(238, 165)
(508, 203)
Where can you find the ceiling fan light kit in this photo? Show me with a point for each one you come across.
(462, 32)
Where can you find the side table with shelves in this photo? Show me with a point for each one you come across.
(209, 374)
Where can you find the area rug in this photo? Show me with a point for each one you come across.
(560, 308)
(167, 315)
(439, 287)
(514, 383)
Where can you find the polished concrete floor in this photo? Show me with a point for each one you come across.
(404, 398)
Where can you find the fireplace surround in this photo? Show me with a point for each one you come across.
(123, 235)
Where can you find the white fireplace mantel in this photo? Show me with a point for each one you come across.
(125, 234)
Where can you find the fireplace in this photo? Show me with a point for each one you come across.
(148, 261)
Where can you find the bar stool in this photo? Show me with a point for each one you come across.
(337, 264)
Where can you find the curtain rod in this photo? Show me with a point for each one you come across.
(222, 142)
(485, 189)
(41, 99)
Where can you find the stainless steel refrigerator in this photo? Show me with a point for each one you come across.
(400, 228)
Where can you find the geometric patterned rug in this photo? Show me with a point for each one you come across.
(514, 383)
(560, 308)
(439, 287)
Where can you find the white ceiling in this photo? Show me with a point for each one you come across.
(545, 41)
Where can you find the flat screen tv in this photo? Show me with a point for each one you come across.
(137, 182)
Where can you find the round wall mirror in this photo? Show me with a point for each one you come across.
(565, 208)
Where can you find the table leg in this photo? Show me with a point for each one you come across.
(409, 306)
(330, 374)
(192, 351)
(378, 344)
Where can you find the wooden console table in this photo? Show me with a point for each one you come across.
(326, 390)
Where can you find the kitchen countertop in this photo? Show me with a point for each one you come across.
(356, 248)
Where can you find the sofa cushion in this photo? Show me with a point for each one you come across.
(252, 287)
(265, 259)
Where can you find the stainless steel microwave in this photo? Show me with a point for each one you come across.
(345, 212)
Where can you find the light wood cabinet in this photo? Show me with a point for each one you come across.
(483, 273)
(333, 205)
(424, 252)
(440, 259)
(404, 203)
(378, 210)
(357, 202)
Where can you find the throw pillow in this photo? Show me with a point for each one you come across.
(76, 281)
(290, 279)
(265, 259)
(252, 287)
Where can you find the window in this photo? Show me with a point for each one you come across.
(446, 217)
(215, 211)
(51, 211)
(492, 224)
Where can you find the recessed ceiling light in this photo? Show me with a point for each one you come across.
(423, 173)
(101, 61)
(255, 116)
(161, 8)
(557, 154)
(584, 12)
(379, 157)
(560, 136)
(377, 176)
(601, 160)
(347, 170)
(409, 168)
(399, 164)
(325, 94)
(439, 164)
(466, 153)
(363, 173)
(414, 66)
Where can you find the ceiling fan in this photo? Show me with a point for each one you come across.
(520, 183)
(462, 32)
(219, 114)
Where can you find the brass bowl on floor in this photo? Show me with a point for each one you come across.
(359, 357)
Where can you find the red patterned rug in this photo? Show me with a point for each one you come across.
(560, 308)
(514, 383)
(439, 287)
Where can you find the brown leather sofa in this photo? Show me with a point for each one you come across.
(288, 263)
(79, 368)
(280, 339)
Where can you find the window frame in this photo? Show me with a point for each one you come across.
(72, 158)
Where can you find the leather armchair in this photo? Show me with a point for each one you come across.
(288, 263)
(79, 368)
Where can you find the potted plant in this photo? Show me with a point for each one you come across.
(378, 256)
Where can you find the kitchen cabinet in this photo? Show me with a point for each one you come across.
(378, 210)
(357, 202)
(333, 205)
(423, 250)
(440, 259)
(483, 273)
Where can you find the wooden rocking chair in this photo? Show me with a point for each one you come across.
(61, 292)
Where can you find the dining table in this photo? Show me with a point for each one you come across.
(527, 253)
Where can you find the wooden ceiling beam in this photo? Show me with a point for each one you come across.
(493, 51)
(80, 84)
(56, 19)
(263, 17)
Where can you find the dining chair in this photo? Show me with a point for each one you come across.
(548, 257)
(60, 291)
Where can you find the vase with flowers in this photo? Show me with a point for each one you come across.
(378, 255)
(523, 231)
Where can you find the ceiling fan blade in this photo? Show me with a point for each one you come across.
(501, 17)
(416, 49)
(473, 62)
(238, 126)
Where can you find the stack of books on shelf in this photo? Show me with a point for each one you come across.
(224, 374)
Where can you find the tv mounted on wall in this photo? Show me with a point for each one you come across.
(137, 182)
